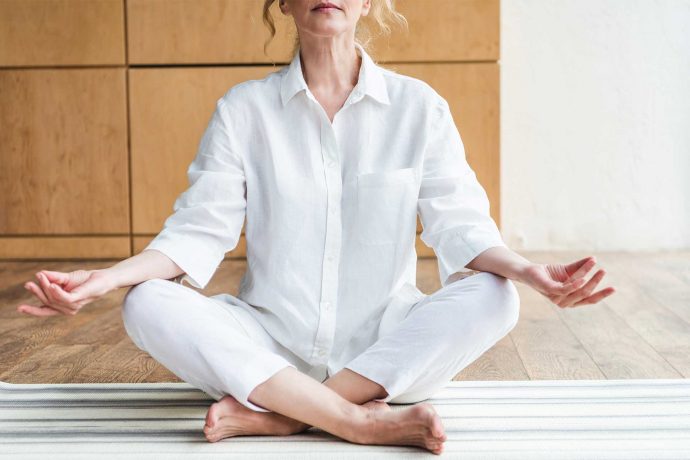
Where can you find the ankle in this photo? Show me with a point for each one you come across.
(359, 423)
(286, 426)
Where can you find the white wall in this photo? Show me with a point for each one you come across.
(595, 124)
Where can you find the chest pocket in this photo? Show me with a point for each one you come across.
(386, 206)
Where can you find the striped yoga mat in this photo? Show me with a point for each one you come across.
(538, 419)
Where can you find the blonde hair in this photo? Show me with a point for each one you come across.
(381, 14)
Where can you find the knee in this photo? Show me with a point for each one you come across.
(138, 304)
(140, 296)
(504, 300)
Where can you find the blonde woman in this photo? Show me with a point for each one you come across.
(330, 160)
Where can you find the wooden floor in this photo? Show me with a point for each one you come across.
(642, 331)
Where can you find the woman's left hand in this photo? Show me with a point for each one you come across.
(565, 284)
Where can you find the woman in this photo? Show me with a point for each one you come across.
(330, 160)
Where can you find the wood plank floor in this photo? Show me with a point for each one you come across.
(642, 331)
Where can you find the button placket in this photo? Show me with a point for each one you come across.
(329, 280)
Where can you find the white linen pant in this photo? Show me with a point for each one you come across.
(221, 349)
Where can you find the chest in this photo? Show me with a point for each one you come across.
(298, 160)
(332, 103)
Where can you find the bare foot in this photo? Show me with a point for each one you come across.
(418, 425)
(228, 417)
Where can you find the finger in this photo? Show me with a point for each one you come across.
(85, 300)
(584, 291)
(52, 301)
(565, 288)
(77, 279)
(81, 292)
(74, 300)
(575, 266)
(68, 298)
(49, 290)
(596, 297)
(37, 291)
(56, 277)
(584, 268)
(45, 285)
(64, 297)
(37, 311)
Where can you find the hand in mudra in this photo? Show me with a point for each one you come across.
(565, 284)
(65, 293)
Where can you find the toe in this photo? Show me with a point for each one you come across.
(437, 428)
(211, 416)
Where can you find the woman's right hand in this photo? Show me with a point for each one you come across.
(65, 293)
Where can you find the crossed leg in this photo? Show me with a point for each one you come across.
(210, 351)
(201, 340)
(440, 335)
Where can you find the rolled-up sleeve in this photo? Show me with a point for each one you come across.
(452, 205)
(207, 218)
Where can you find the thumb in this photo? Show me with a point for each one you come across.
(92, 288)
(84, 291)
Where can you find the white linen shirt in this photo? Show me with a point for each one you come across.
(330, 208)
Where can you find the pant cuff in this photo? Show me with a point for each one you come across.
(386, 374)
(266, 369)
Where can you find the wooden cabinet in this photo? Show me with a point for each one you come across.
(103, 104)
(62, 33)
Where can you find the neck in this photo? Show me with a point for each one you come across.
(331, 66)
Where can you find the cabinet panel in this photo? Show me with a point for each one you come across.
(444, 30)
(61, 32)
(63, 145)
(223, 31)
(65, 247)
(66, 170)
(204, 31)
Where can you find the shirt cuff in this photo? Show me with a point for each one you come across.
(456, 252)
(198, 260)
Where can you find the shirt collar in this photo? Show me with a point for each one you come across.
(370, 80)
